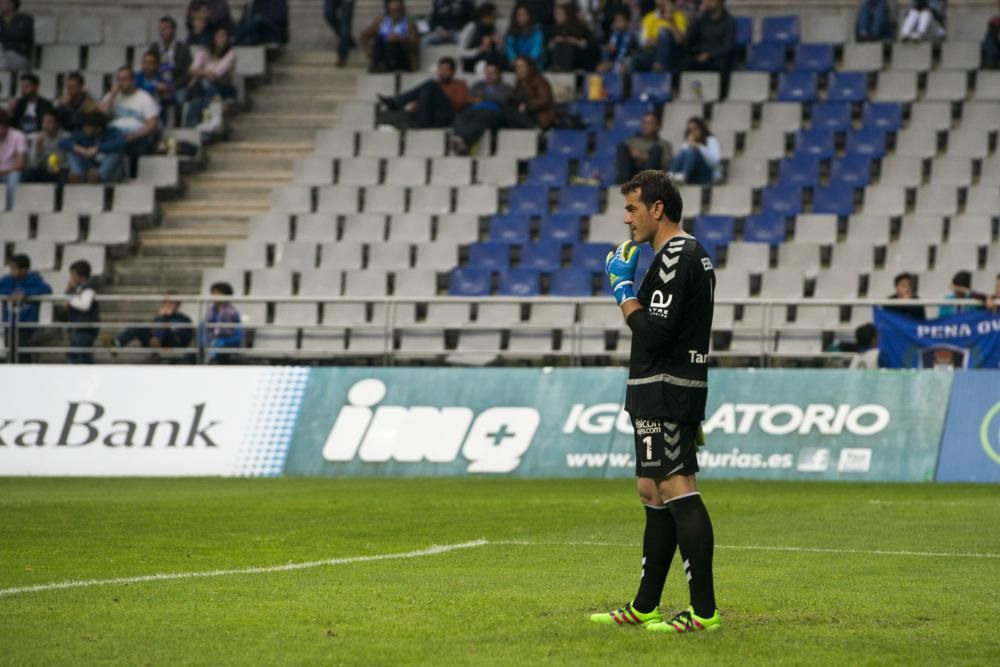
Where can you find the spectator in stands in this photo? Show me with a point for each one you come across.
(488, 100)
(711, 43)
(339, 15)
(524, 37)
(392, 40)
(873, 21)
(646, 150)
(533, 104)
(75, 103)
(13, 155)
(151, 79)
(991, 43)
(175, 56)
(134, 112)
(866, 354)
(221, 328)
(961, 288)
(572, 45)
(17, 37)
(29, 107)
(211, 77)
(447, 18)
(605, 12)
(171, 332)
(45, 157)
(215, 13)
(904, 289)
(924, 20)
(19, 283)
(479, 40)
(542, 11)
(82, 311)
(660, 38)
(699, 161)
(95, 153)
(620, 45)
(263, 22)
(437, 100)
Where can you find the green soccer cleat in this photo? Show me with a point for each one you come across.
(627, 615)
(687, 621)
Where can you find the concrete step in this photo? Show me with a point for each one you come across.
(250, 165)
(215, 208)
(194, 236)
(316, 105)
(180, 253)
(269, 178)
(244, 192)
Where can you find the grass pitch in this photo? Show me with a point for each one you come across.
(806, 573)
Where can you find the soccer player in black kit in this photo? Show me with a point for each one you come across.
(671, 322)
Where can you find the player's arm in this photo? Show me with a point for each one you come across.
(655, 328)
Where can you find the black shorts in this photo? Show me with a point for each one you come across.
(664, 448)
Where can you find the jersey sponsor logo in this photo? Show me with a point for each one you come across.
(658, 306)
(492, 441)
(647, 426)
(697, 357)
(707, 263)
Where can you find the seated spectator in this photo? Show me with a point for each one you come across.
(221, 328)
(210, 77)
(215, 13)
(448, 17)
(263, 22)
(488, 100)
(904, 287)
(699, 161)
(991, 43)
(175, 56)
(621, 44)
(199, 36)
(711, 42)
(19, 283)
(134, 112)
(95, 154)
(29, 107)
(866, 354)
(13, 155)
(543, 11)
(873, 21)
(924, 20)
(604, 13)
(961, 288)
(644, 151)
(479, 40)
(532, 104)
(524, 37)
(75, 103)
(339, 15)
(151, 79)
(83, 312)
(437, 100)
(572, 45)
(660, 39)
(169, 334)
(17, 37)
(45, 158)
(392, 41)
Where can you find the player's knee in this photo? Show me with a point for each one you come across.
(648, 493)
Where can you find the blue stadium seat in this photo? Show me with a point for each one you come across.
(797, 86)
(847, 87)
(568, 143)
(851, 170)
(607, 141)
(764, 228)
(868, 141)
(628, 115)
(766, 58)
(510, 228)
(645, 259)
(834, 116)
(469, 281)
(580, 200)
(780, 30)
(572, 282)
(561, 228)
(814, 57)
(531, 199)
(614, 86)
(711, 248)
(800, 169)
(520, 282)
(651, 86)
(544, 256)
(591, 112)
(548, 169)
(715, 229)
(591, 256)
(600, 166)
(816, 141)
(491, 255)
(785, 200)
(833, 199)
(887, 116)
(744, 30)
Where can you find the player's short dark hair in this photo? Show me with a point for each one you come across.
(170, 20)
(962, 279)
(222, 288)
(865, 335)
(447, 60)
(76, 76)
(22, 262)
(28, 76)
(900, 277)
(654, 186)
(80, 267)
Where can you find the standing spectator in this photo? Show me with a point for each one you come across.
(134, 112)
(13, 154)
(437, 100)
(175, 56)
(215, 12)
(22, 282)
(961, 288)
(392, 40)
(711, 42)
(543, 11)
(167, 335)
(96, 153)
(17, 37)
(991, 43)
(619, 47)
(924, 20)
(904, 289)
(644, 151)
(29, 107)
(661, 37)
(151, 79)
(572, 45)
(866, 353)
(479, 40)
(221, 328)
(699, 161)
(488, 99)
(524, 37)
(211, 76)
(75, 103)
(45, 158)
(873, 21)
(533, 104)
(448, 17)
(263, 22)
(339, 15)
(82, 312)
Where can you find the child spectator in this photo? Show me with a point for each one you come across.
(95, 154)
(619, 47)
(134, 112)
(19, 283)
(524, 37)
(199, 36)
(263, 22)
(699, 161)
(75, 103)
(437, 100)
(448, 17)
(13, 155)
(211, 77)
(29, 107)
(479, 40)
(83, 312)
(873, 21)
(392, 40)
(45, 158)
(221, 328)
(17, 37)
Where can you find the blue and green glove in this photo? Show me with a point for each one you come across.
(620, 267)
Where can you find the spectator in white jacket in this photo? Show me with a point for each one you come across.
(699, 161)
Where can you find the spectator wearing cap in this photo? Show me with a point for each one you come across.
(392, 41)
(75, 103)
(175, 55)
(991, 43)
(215, 13)
(263, 22)
(19, 285)
(17, 37)
(46, 158)
(904, 290)
(448, 17)
(30, 106)
(437, 101)
(96, 153)
(961, 288)
(134, 112)
(13, 155)
(221, 328)
(211, 77)
(82, 312)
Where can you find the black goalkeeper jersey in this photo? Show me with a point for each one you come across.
(668, 365)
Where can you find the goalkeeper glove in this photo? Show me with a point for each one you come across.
(620, 267)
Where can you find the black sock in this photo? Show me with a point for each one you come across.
(658, 545)
(695, 538)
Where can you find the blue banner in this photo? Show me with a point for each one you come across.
(967, 340)
(970, 450)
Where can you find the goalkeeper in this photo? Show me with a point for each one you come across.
(671, 321)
